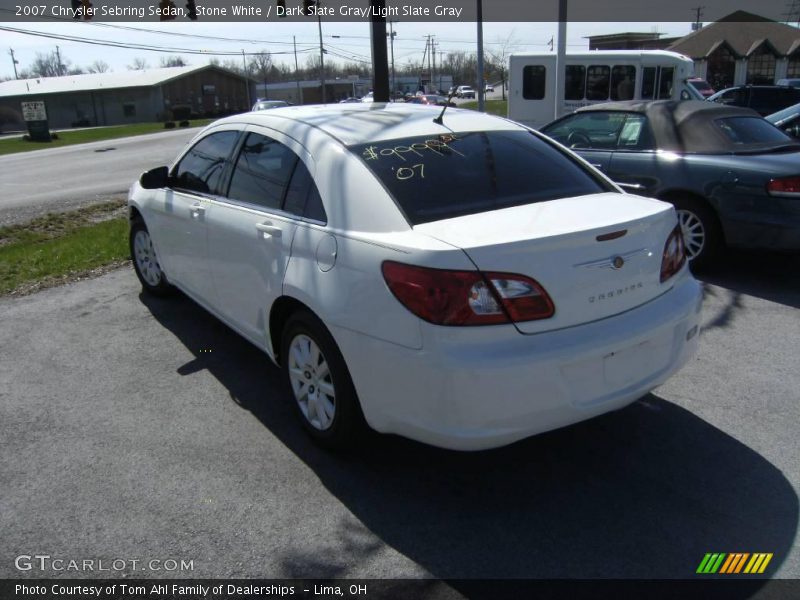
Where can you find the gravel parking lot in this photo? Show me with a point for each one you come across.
(145, 429)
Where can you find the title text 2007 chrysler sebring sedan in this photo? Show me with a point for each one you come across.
(466, 283)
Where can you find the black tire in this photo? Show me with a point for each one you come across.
(145, 261)
(702, 234)
(346, 426)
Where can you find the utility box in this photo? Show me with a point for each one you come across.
(35, 117)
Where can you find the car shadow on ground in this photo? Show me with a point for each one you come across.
(643, 492)
(771, 276)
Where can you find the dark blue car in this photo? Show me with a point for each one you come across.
(733, 177)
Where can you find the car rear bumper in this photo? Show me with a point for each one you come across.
(770, 223)
(483, 387)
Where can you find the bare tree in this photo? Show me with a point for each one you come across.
(173, 61)
(229, 64)
(99, 66)
(138, 64)
(260, 68)
(48, 65)
(498, 59)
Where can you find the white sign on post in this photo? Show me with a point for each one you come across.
(34, 111)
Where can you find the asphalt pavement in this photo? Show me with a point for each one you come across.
(138, 429)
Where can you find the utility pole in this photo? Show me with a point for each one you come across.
(392, 33)
(321, 56)
(430, 70)
(14, 62)
(698, 12)
(433, 71)
(297, 72)
(441, 68)
(246, 80)
(58, 58)
(481, 88)
(422, 65)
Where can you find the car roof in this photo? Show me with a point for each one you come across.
(685, 126)
(353, 124)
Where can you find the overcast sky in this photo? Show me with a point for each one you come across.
(277, 38)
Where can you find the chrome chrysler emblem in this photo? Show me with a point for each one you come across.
(616, 262)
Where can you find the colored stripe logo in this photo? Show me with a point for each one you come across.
(734, 563)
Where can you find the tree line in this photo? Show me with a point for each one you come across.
(262, 68)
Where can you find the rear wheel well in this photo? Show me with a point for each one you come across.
(282, 309)
(673, 196)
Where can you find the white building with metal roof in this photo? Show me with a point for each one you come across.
(127, 97)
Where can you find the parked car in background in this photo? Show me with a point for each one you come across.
(702, 86)
(466, 283)
(488, 88)
(732, 176)
(430, 99)
(465, 91)
(787, 120)
(269, 104)
(764, 99)
(350, 100)
(795, 82)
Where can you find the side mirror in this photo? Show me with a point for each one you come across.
(155, 178)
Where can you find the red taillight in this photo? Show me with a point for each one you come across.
(785, 186)
(674, 254)
(446, 297)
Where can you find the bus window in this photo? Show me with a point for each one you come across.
(665, 82)
(648, 82)
(597, 81)
(575, 82)
(533, 80)
(622, 82)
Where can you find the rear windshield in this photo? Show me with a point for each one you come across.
(451, 175)
(751, 130)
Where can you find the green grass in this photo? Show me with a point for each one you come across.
(82, 136)
(493, 107)
(58, 247)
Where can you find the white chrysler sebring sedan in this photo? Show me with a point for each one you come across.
(453, 278)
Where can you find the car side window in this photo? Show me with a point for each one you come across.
(590, 130)
(262, 171)
(302, 197)
(200, 170)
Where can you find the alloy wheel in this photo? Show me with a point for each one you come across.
(694, 232)
(312, 384)
(145, 257)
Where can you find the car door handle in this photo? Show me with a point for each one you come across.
(597, 166)
(197, 210)
(268, 230)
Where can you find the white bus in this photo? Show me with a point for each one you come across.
(592, 77)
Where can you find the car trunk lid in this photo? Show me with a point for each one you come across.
(596, 256)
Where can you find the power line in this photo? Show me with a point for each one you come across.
(132, 46)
